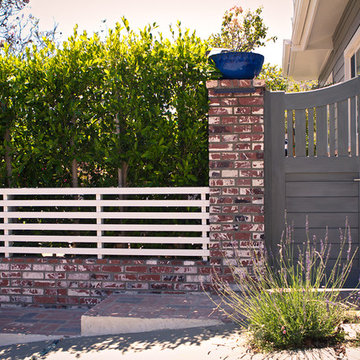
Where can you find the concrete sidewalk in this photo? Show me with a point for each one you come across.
(223, 342)
(40, 333)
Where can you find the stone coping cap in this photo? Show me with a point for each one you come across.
(234, 83)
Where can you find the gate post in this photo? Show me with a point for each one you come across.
(236, 169)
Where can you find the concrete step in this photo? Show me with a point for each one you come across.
(140, 312)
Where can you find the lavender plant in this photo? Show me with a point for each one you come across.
(291, 302)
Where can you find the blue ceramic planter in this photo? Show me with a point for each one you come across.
(238, 65)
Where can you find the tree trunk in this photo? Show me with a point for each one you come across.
(122, 175)
(74, 176)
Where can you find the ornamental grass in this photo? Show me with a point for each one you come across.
(290, 300)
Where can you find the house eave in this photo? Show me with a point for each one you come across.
(315, 21)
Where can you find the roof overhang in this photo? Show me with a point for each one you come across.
(314, 24)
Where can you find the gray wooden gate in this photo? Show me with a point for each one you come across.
(312, 144)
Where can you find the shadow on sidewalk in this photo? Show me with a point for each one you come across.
(137, 342)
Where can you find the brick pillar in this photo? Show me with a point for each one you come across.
(236, 154)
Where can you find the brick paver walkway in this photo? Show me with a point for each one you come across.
(150, 306)
(45, 321)
(42, 321)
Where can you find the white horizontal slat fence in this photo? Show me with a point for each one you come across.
(105, 221)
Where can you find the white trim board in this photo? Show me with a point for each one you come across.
(352, 47)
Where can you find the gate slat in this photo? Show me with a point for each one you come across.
(105, 251)
(332, 130)
(322, 220)
(358, 124)
(311, 205)
(290, 133)
(324, 96)
(321, 188)
(311, 132)
(104, 203)
(274, 171)
(102, 215)
(300, 133)
(321, 132)
(342, 117)
(353, 126)
(105, 227)
(107, 239)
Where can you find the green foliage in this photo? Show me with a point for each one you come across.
(134, 101)
(241, 31)
(284, 304)
(276, 81)
(10, 99)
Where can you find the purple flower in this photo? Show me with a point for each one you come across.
(350, 240)
(308, 264)
(322, 247)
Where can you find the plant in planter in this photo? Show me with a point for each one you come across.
(241, 32)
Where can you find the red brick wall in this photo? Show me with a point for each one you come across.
(236, 161)
(85, 282)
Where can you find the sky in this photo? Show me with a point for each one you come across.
(203, 16)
